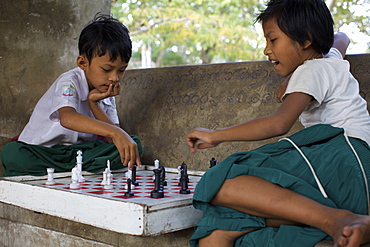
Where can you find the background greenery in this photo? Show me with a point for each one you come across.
(179, 32)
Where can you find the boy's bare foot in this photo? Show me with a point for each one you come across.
(352, 231)
(221, 238)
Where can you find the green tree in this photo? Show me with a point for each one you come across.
(205, 31)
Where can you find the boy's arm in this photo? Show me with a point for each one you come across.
(95, 96)
(99, 114)
(341, 42)
(126, 147)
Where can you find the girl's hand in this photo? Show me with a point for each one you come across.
(113, 90)
(201, 134)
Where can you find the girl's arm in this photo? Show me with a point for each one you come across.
(341, 42)
(258, 129)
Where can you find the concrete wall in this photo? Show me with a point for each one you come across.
(162, 105)
(38, 42)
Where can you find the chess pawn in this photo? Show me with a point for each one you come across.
(129, 193)
(178, 173)
(74, 185)
(163, 176)
(129, 176)
(156, 166)
(109, 185)
(184, 184)
(50, 180)
(104, 181)
(212, 162)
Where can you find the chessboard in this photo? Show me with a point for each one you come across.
(111, 209)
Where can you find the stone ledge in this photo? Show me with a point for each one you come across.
(17, 218)
(329, 243)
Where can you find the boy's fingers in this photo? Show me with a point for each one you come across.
(138, 161)
(117, 89)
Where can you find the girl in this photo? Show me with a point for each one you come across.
(313, 184)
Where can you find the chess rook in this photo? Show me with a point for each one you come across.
(50, 180)
(109, 185)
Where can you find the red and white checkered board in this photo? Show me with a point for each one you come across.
(92, 186)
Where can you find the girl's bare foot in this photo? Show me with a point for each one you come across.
(352, 231)
(221, 238)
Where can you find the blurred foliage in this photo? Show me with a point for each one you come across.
(206, 31)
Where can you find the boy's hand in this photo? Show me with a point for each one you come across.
(200, 134)
(113, 90)
(127, 149)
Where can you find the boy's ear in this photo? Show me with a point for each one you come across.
(82, 62)
(307, 44)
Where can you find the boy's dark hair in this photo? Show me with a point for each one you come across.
(302, 20)
(105, 34)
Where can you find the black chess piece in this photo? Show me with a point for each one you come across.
(183, 169)
(212, 162)
(129, 193)
(184, 183)
(133, 181)
(163, 176)
(158, 190)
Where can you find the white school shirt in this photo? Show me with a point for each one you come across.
(336, 95)
(70, 89)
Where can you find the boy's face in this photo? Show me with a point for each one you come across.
(101, 72)
(286, 54)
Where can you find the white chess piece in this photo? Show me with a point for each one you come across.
(104, 181)
(106, 172)
(109, 185)
(156, 166)
(129, 176)
(74, 184)
(79, 162)
(50, 180)
(178, 173)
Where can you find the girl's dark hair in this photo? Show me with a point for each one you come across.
(302, 20)
(104, 35)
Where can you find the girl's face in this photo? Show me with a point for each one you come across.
(101, 72)
(285, 53)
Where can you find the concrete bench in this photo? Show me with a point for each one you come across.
(162, 105)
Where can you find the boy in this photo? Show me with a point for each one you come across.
(77, 108)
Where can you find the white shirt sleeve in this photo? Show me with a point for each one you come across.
(307, 79)
(65, 95)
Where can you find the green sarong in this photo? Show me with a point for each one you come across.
(19, 158)
(335, 165)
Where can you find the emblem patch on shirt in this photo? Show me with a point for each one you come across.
(68, 90)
